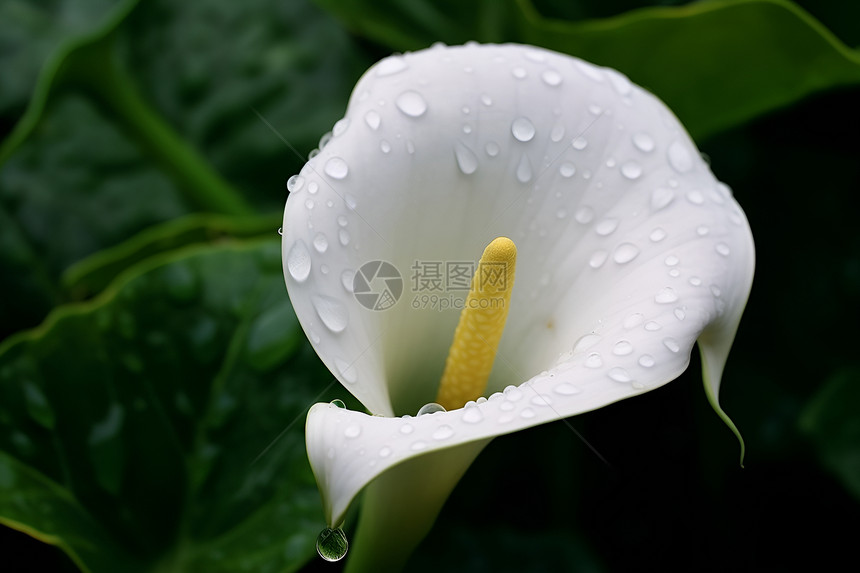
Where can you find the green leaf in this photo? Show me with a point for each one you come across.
(832, 421)
(717, 63)
(160, 426)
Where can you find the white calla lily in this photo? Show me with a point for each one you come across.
(629, 251)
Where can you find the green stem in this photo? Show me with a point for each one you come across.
(96, 68)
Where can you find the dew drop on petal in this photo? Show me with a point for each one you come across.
(343, 237)
(680, 157)
(295, 183)
(320, 243)
(584, 215)
(557, 133)
(657, 235)
(523, 129)
(646, 361)
(372, 119)
(492, 148)
(467, 161)
(472, 415)
(347, 278)
(631, 170)
(443, 433)
(597, 259)
(593, 361)
(567, 169)
(695, 197)
(352, 431)
(411, 103)
(338, 404)
(579, 143)
(336, 168)
(333, 313)
(431, 408)
(643, 142)
(551, 78)
(723, 249)
(622, 348)
(332, 544)
(619, 374)
(299, 261)
(624, 253)
(606, 227)
(524, 170)
(666, 296)
(566, 389)
(390, 66)
(671, 344)
(661, 197)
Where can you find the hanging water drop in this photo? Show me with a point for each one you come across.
(338, 404)
(280, 231)
(336, 168)
(466, 159)
(332, 544)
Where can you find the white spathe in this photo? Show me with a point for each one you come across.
(629, 250)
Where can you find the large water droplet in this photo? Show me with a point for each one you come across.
(631, 170)
(373, 119)
(431, 408)
(320, 243)
(411, 103)
(661, 197)
(338, 404)
(551, 78)
(624, 253)
(523, 129)
(680, 157)
(666, 296)
(336, 168)
(332, 312)
(524, 170)
(390, 66)
(295, 183)
(299, 261)
(643, 142)
(332, 544)
(467, 161)
(472, 414)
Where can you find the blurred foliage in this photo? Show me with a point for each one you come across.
(142, 166)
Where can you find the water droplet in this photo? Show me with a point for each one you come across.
(309, 204)
(610, 162)
(342, 220)
(467, 129)
(332, 544)
(652, 326)
(567, 169)
(343, 237)
(551, 78)
(680, 313)
(666, 295)
(702, 230)
(338, 404)
(384, 146)
(372, 119)
(299, 261)
(320, 243)
(527, 413)
(512, 393)
(723, 249)
(350, 201)
(672, 260)
(589, 70)
(715, 290)
(661, 197)
(443, 433)
(347, 278)
(472, 414)
(657, 235)
(695, 197)
(633, 320)
(606, 227)
(643, 142)
(671, 344)
(384, 452)
(410, 147)
(418, 446)
(390, 66)
(411, 103)
(467, 161)
(431, 408)
(519, 73)
(695, 281)
(340, 127)
(332, 312)
(557, 133)
(579, 143)
(584, 215)
(346, 369)
(619, 375)
(566, 389)
(561, 214)
(619, 81)
(352, 431)
(597, 259)
(622, 348)
(295, 183)
(336, 168)
(522, 129)
(313, 187)
(524, 170)
(406, 429)
(486, 100)
(624, 253)
(646, 360)
(680, 157)
(593, 360)
(280, 231)
(466, 110)
(631, 170)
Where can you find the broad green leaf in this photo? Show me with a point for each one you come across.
(76, 186)
(221, 63)
(92, 274)
(832, 421)
(717, 64)
(160, 426)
